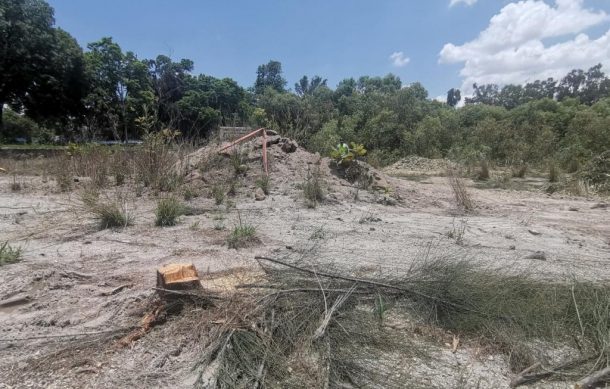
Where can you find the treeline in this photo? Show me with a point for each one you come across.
(55, 87)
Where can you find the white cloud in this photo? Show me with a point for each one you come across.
(399, 60)
(467, 2)
(511, 48)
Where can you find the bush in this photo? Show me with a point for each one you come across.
(111, 215)
(520, 172)
(483, 173)
(264, 183)
(17, 126)
(312, 187)
(168, 211)
(9, 254)
(554, 173)
(242, 236)
(218, 192)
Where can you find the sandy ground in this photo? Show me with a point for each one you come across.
(75, 279)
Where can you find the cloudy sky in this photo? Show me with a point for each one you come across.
(441, 43)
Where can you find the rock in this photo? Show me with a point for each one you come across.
(289, 146)
(600, 206)
(540, 255)
(259, 195)
(535, 233)
(512, 247)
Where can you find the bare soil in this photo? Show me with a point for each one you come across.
(78, 288)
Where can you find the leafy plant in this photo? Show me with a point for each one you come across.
(345, 155)
(9, 254)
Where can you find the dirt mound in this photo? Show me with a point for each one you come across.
(416, 164)
(289, 165)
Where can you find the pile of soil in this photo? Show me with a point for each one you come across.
(289, 166)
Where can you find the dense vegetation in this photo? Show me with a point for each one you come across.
(55, 88)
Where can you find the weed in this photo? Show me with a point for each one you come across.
(189, 193)
(64, 180)
(264, 183)
(194, 226)
(312, 187)
(483, 173)
(242, 235)
(218, 193)
(554, 173)
(318, 234)
(520, 172)
(462, 197)
(238, 161)
(15, 186)
(457, 231)
(168, 211)
(9, 254)
(111, 215)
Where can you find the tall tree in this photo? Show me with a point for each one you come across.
(453, 97)
(307, 87)
(26, 33)
(269, 76)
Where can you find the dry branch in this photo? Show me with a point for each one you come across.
(594, 379)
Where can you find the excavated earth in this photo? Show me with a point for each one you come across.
(78, 288)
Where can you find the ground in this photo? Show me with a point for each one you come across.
(77, 287)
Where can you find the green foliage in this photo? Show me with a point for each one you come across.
(168, 211)
(344, 155)
(9, 254)
(241, 236)
(110, 214)
(218, 193)
(264, 183)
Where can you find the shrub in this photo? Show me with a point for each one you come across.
(9, 254)
(312, 187)
(553, 172)
(264, 183)
(462, 197)
(189, 193)
(520, 172)
(218, 192)
(15, 186)
(238, 161)
(168, 211)
(111, 215)
(241, 236)
(344, 155)
(483, 173)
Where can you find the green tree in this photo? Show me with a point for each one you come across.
(269, 76)
(26, 33)
(453, 97)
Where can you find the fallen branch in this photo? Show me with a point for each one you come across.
(526, 378)
(594, 379)
(364, 281)
(67, 335)
(338, 303)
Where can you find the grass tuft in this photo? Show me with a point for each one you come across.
(168, 211)
(312, 187)
(242, 236)
(111, 215)
(264, 183)
(9, 254)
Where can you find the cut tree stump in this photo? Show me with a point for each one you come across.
(178, 276)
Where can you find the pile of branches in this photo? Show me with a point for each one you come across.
(306, 327)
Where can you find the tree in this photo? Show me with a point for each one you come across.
(57, 96)
(484, 94)
(169, 80)
(453, 97)
(269, 76)
(26, 33)
(306, 87)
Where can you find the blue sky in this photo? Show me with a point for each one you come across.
(340, 39)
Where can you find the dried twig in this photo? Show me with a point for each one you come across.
(594, 379)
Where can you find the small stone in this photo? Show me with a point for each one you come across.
(289, 146)
(535, 233)
(512, 247)
(259, 195)
(540, 255)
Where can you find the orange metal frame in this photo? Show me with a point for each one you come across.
(248, 136)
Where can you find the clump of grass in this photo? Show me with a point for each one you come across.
(168, 211)
(554, 173)
(64, 180)
(111, 215)
(218, 193)
(519, 172)
(238, 161)
(242, 236)
(189, 193)
(483, 173)
(9, 254)
(462, 197)
(264, 183)
(15, 185)
(312, 187)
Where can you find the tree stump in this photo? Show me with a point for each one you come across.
(178, 276)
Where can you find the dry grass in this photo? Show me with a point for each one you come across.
(462, 197)
(313, 190)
